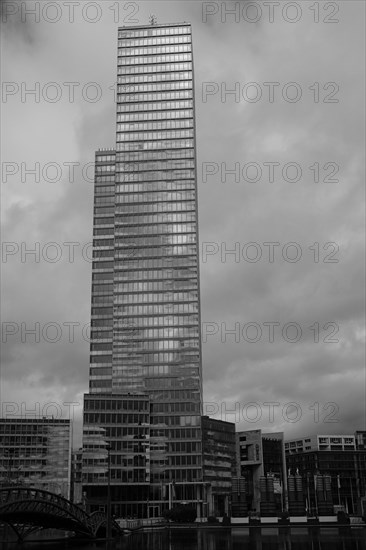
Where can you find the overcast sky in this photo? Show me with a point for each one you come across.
(315, 123)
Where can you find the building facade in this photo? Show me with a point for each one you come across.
(218, 464)
(36, 452)
(339, 461)
(321, 443)
(116, 451)
(261, 483)
(76, 486)
(145, 323)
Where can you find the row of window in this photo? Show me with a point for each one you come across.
(165, 116)
(140, 232)
(103, 242)
(176, 394)
(101, 335)
(145, 264)
(130, 334)
(185, 460)
(176, 420)
(154, 31)
(156, 125)
(155, 155)
(159, 229)
(189, 294)
(99, 371)
(142, 347)
(178, 322)
(36, 428)
(114, 418)
(103, 276)
(150, 207)
(147, 298)
(104, 158)
(158, 164)
(151, 252)
(190, 284)
(106, 311)
(154, 59)
(152, 310)
(131, 376)
(150, 49)
(337, 440)
(155, 263)
(103, 253)
(175, 408)
(168, 183)
(134, 460)
(104, 221)
(103, 265)
(105, 300)
(104, 190)
(157, 189)
(155, 77)
(143, 137)
(153, 96)
(184, 447)
(170, 39)
(100, 179)
(167, 68)
(135, 370)
(163, 383)
(148, 274)
(159, 359)
(118, 431)
(104, 199)
(104, 168)
(167, 144)
(166, 105)
(160, 240)
(104, 210)
(162, 185)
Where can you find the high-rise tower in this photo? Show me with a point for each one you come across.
(145, 328)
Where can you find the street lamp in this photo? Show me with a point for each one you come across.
(170, 488)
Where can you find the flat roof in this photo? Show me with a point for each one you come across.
(150, 26)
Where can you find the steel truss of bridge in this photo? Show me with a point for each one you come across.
(27, 510)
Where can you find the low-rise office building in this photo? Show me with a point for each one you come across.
(36, 452)
(116, 445)
(333, 464)
(261, 483)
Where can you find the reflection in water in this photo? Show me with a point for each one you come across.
(238, 538)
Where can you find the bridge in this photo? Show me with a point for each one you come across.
(27, 510)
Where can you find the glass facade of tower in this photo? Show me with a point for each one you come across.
(156, 339)
(100, 375)
(145, 294)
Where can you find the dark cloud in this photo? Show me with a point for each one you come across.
(15, 25)
(229, 132)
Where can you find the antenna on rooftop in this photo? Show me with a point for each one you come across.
(152, 20)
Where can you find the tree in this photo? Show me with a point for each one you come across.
(181, 513)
